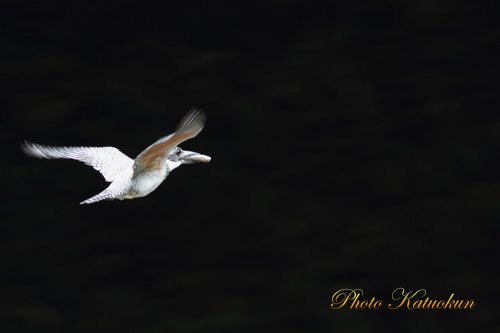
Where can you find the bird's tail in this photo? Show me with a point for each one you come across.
(98, 197)
(108, 194)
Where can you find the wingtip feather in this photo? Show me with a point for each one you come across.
(29, 148)
(194, 117)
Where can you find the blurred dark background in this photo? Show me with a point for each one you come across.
(354, 145)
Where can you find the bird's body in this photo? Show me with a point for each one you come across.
(132, 178)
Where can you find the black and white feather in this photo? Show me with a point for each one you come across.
(109, 161)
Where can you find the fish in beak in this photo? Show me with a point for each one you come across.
(190, 157)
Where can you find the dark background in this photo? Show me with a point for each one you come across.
(354, 145)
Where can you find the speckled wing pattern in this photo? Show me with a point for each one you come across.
(109, 161)
(153, 156)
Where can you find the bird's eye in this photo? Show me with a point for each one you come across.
(178, 151)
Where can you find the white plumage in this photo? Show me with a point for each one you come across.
(132, 178)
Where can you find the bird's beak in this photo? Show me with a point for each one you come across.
(190, 157)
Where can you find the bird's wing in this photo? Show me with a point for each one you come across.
(109, 161)
(189, 127)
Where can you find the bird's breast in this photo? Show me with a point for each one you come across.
(147, 182)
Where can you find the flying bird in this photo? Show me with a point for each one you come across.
(132, 178)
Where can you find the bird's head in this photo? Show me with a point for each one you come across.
(179, 156)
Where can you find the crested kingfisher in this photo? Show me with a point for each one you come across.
(132, 178)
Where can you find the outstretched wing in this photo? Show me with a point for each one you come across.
(109, 161)
(189, 127)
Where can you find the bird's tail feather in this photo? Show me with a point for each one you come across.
(108, 194)
(95, 198)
